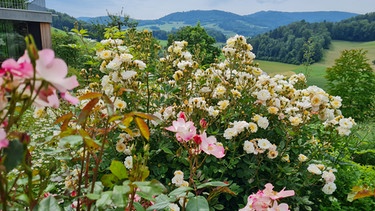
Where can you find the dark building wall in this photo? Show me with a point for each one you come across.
(34, 29)
(16, 24)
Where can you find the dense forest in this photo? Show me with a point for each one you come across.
(302, 42)
(66, 22)
(358, 28)
(288, 44)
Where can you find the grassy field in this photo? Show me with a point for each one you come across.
(316, 71)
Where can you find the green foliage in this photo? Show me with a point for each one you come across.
(49, 203)
(200, 44)
(64, 44)
(353, 79)
(287, 43)
(358, 28)
(118, 150)
(66, 22)
(198, 203)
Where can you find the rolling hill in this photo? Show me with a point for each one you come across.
(230, 23)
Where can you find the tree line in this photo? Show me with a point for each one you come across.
(289, 44)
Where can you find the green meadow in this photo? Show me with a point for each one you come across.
(315, 73)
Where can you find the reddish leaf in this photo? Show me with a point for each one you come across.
(88, 140)
(90, 95)
(86, 111)
(65, 120)
(142, 127)
(145, 116)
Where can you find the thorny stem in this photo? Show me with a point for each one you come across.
(98, 161)
(80, 178)
(3, 191)
(132, 196)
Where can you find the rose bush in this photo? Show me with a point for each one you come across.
(162, 133)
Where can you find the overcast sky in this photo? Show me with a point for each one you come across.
(154, 9)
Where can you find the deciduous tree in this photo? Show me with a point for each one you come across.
(352, 78)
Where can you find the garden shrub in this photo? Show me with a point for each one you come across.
(167, 134)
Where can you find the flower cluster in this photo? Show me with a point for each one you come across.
(186, 132)
(118, 65)
(256, 146)
(178, 179)
(327, 175)
(267, 200)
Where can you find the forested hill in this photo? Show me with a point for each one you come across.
(357, 28)
(274, 19)
(230, 23)
(304, 42)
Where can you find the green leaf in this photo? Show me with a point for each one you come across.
(72, 140)
(162, 201)
(49, 203)
(109, 180)
(198, 203)
(168, 151)
(13, 155)
(138, 207)
(50, 187)
(105, 199)
(120, 195)
(180, 191)
(219, 207)
(98, 187)
(150, 189)
(118, 169)
(93, 196)
(212, 184)
(23, 197)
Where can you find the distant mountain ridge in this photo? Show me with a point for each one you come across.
(231, 23)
